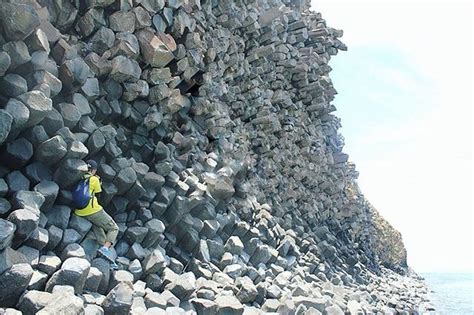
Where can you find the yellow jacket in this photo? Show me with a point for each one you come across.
(94, 188)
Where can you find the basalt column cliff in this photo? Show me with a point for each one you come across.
(219, 154)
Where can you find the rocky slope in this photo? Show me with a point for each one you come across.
(220, 159)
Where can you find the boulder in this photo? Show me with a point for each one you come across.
(6, 120)
(227, 304)
(157, 50)
(73, 272)
(13, 283)
(33, 301)
(63, 301)
(26, 222)
(119, 300)
(183, 286)
(38, 104)
(7, 231)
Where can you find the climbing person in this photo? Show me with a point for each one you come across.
(104, 227)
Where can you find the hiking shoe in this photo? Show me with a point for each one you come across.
(105, 252)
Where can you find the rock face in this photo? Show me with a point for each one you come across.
(219, 155)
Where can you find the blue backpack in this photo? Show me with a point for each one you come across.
(80, 194)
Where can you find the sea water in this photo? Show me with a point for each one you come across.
(453, 293)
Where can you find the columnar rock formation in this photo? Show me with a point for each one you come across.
(219, 154)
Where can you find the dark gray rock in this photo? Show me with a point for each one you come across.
(31, 254)
(157, 50)
(59, 216)
(119, 300)
(30, 200)
(69, 172)
(124, 69)
(38, 239)
(13, 282)
(135, 268)
(10, 257)
(33, 301)
(102, 40)
(69, 236)
(18, 52)
(159, 23)
(16, 181)
(51, 151)
(73, 272)
(94, 277)
(5, 62)
(121, 21)
(234, 245)
(120, 276)
(104, 267)
(73, 73)
(96, 142)
(18, 20)
(13, 85)
(81, 103)
(76, 150)
(49, 190)
(3, 188)
(70, 113)
(142, 18)
(228, 305)
(17, 153)
(183, 286)
(20, 114)
(6, 120)
(155, 229)
(204, 306)
(55, 236)
(125, 180)
(91, 88)
(38, 280)
(26, 222)
(73, 250)
(38, 172)
(53, 122)
(135, 234)
(80, 224)
(63, 302)
(156, 262)
(38, 104)
(136, 251)
(7, 231)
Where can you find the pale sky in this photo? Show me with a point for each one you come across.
(405, 100)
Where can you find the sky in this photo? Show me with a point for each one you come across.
(405, 100)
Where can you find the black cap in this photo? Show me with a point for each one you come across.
(91, 164)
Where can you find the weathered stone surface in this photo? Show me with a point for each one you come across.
(156, 49)
(38, 104)
(119, 300)
(26, 222)
(73, 272)
(124, 69)
(13, 85)
(63, 301)
(33, 301)
(6, 121)
(13, 282)
(183, 286)
(48, 264)
(7, 231)
(228, 305)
